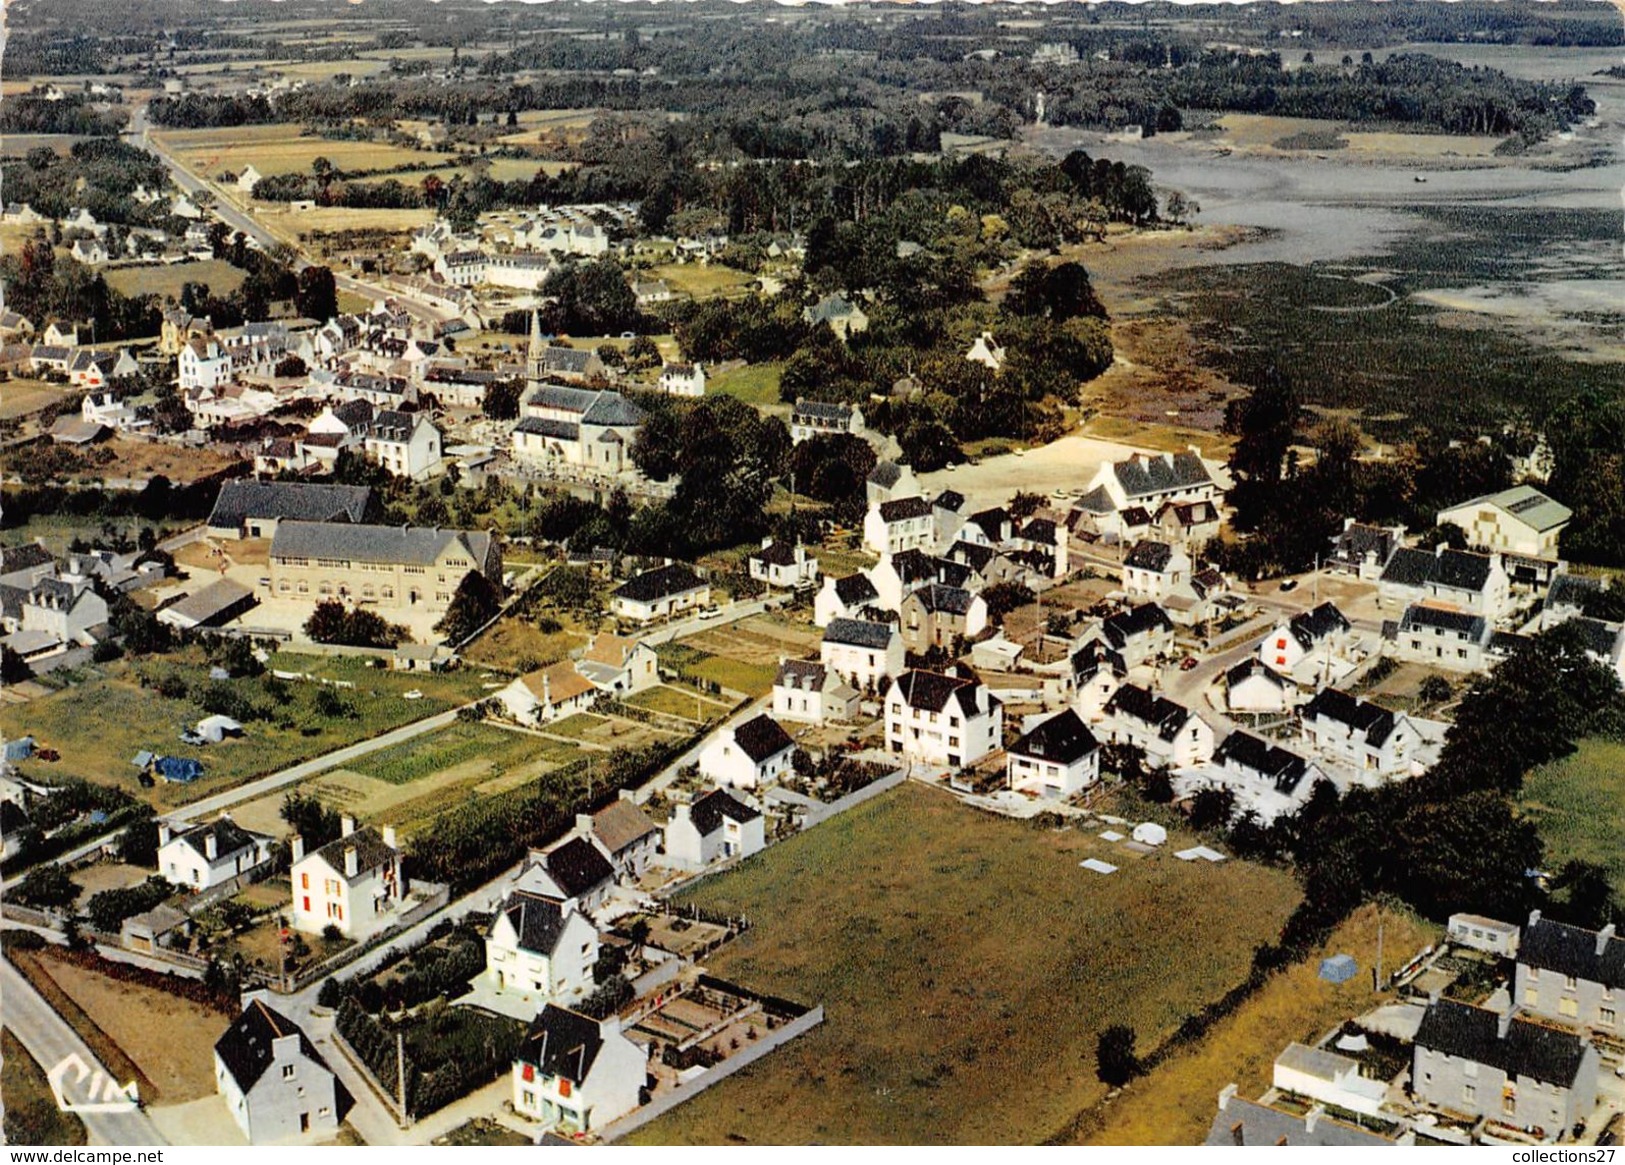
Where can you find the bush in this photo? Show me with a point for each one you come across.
(331, 993)
(47, 888)
(1115, 1061)
(108, 909)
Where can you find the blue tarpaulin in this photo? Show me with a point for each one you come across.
(1338, 968)
(180, 769)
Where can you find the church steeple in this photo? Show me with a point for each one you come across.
(533, 361)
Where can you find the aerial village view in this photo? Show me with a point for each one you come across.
(877, 573)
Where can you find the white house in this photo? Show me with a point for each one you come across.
(548, 694)
(748, 755)
(68, 609)
(90, 252)
(575, 869)
(1457, 579)
(204, 364)
(654, 594)
(682, 380)
(355, 883)
(1139, 634)
(863, 654)
(1056, 759)
(779, 564)
(616, 664)
(1520, 520)
(892, 527)
(1253, 686)
(1264, 778)
(716, 827)
(203, 856)
(1451, 640)
(843, 598)
(942, 719)
(888, 480)
(986, 352)
(1155, 570)
(576, 1074)
(275, 1084)
(816, 418)
(405, 444)
(625, 833)
(807, 691)
(1363, 736)
(1321, 634)
(541, 945)
(1170, 735)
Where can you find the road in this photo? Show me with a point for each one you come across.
(731, 613)
(50, 1040)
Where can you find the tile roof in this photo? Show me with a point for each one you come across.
(557, 684)
(1063, 738)
(1530, 1050)
(622, 823)
(246, 1048)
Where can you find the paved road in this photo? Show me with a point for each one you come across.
(50, 1040)
(731, 613)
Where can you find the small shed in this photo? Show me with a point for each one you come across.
(1338, 968)
(1150, 833)
(214, 729)
(178, 770)
(143, 759)
(20, 749)
(160, 926)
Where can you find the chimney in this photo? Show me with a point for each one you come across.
(211, 845)
(1604, 937)
(583, 823)
(298, 848)
(680, 812)
(164, 833)
(352, 865)
(1534, 917)
(547, 691)
(389, 836)
(1226, 1095)
(1503, 1024)
(628, 795)
(346, 825)
(1312, 1117)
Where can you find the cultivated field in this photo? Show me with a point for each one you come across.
(1579, 805)
(966, 965)
(280, 149)
(20, 397)
(166, 279)
(743, 656)
(702, 281)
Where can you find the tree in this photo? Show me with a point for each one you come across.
(309, 819)
(290, 366)
(1004, 597)
(1435, 690)
(330, 622)
(1115, 1061)
(475, 604)
(47, 887)
(316, 294)
(501, 401)
(138, 844)
(14, 668)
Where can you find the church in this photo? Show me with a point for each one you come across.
(563, 425)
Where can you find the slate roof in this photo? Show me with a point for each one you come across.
(762, 737)
(1568, 591)
(1375, 722)
(393, 426)
(1600, 637)
(1454, 569)
(246, 1049)
(1409, 568)
(991, 522)
(241, 500)
(562, 397)
(612, 410)
(1310, 627)
(545, 427)
(1527, 1049)
(621, 824)
(537, 919)
(572, 360)
(1096, 501)
(972, 555)
(932, 691)
(831, 307)
(945, 600)
(822, 413)
(1285, 770)
(950, 500)
(1472, 627)
(950, 573)
(885, 474)
(562, 1043)
(1247, 1123)
(411, 545)
(775, 554)
(855, 589)
(24, 557)
(1569, 950)
(1527, 504)
(1154, 711)
(1250, 667)
(860, 633)
(1150, 555)
(1125, 625)
(1063, 739)
(802, 675)
(229, 838)
(1039, 530)
(913, 565)
(1093, 656)
(717, 806)
(903, 509)
(659, 583)
(577, 866)
(1147, 476)
(1359, 540)
(370, 851)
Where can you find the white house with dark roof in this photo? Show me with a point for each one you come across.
(659, 593)
(200, 857)
(781, 564)
(1264, 778)
(407, 445)
(1520, 520)
(1153, 571)
(1571, 975)
(1362, 736)
(355, 883)
(592, 429)
(892, 527)
(862, 653)
(575, 869)
(540, 945)
(275, 1084)
(66, 608)
(1169, 734)
(816, 418)
(682, 380)
(576, 1074)
(1057, 758)
(1449, 640)
(1140, 634)
(1457, 579)
(1146, 481)
(805, 690)
(843, 598)
(1317, 640)
(1254, 687)
(204, 363)
(888, 480)
(1363, 550)
(939, 719)
(748, 755)
(715, 827)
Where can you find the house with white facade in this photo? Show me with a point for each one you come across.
(1264, 778)
(1170, 734)
(816, 418)
(658, 593)
(1152, 571)
(580, 427)
(1359, 735)
(576, 1074)
(1254, 687)
(1456, 579)
(843, 598)
(1572, 976)
(939, 719)
(276, 1086)
(716, 827)
(805, 690)
(678, 379)
(780, 564)
(355, 883)
(204, 363)
(201, 857)
(862, 653)
(748, 755)
(892, 527)
(407, 445)
(576, 869)
(889, 480)
(1450, 640)
(1140, 635)
(625, 833)
(548, 694)
(1142, 484)
(619, 665)
(1314, 638)
(541, 945)
(1056, 759)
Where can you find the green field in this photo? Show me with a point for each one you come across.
(166, 279)
(755, 384)
(966, 965)
(98, 725)
(1579, 805)
(702, 280)
(454, 746)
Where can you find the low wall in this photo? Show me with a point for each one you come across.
(858, 797)
(749, 1055)
(436, 900)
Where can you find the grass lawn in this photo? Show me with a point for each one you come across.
(1579, 804)
(166, 278)
(702, 281)
(1174, 1104)
(516, 644)
(491, 748)
(21, 396)
(755, 384)
(966, 965)
(100, 724)
(677, 702)
(754, 679)
(32, 1115)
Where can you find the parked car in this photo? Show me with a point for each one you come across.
(1187, 663)
(1291, 584)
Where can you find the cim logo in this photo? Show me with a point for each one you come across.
(103, 1095)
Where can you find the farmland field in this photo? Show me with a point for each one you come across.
(702, 280)
(755, 384)
(100, 724)
(492, 748)
(165, 279)
(20, 397)
(966, 965)
(279, 149)
(1579, 804)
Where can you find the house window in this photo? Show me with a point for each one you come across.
(1531, 996)
(1569, 983)
(1569, 1007)
(1606, 1016)
(1469, 1093)
(287, 1071)
(1509, 1103)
